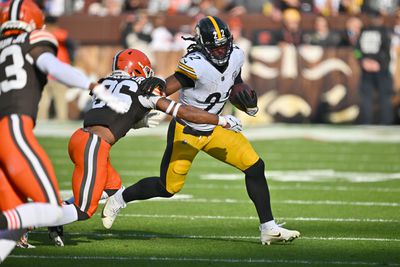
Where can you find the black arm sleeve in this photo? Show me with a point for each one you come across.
(184, 80)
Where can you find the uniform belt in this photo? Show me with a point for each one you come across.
(189, 130)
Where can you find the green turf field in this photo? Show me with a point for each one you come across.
(344, 198)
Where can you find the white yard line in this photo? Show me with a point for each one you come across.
(222, 237)
(189, 198)
(304, 219)
(224, 260)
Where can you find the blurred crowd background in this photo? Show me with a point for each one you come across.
(311, 61)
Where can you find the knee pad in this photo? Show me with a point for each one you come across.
(176, 178)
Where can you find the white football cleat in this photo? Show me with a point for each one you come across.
(277, 234)
(112, 208)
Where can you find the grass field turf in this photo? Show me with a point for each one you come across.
(213, 223)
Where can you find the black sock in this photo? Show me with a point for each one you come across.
(257, 189)
(3, 222)
(144, 189)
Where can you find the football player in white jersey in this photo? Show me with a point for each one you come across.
(204, 77)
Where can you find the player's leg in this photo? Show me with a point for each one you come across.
(236, 150)
(178, 156)
(30, 173)
(9, 199)
(90, 155)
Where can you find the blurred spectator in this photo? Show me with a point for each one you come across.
(373, 50)
(291, 32)
(321, 35)
(352, 32)
(383, 7)
(161, 45)
(55, 91)
(55, 7)
(133, 6)
(137, 32)
(239, 7)
(396, 63)
(350, 7)
(280, 6)
(236, 27)
(106, 8)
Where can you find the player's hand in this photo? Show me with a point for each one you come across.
(233, 123)
(150, 120)
(153, 86)
(115, 103)
(249, 101)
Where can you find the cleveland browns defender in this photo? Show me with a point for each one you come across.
(205, 75)
(27, 56)
(89, 147)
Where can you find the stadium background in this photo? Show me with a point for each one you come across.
(296, 83)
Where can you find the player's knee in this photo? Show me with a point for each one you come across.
(179, 172)
(257, 169)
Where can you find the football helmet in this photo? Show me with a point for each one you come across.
(20, 16)
(215, 39)
(133, 62)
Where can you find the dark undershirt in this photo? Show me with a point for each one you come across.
(185, 81)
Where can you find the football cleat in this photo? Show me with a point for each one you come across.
(23, 242)
(277, 234)
(56, 234)
(112, 207)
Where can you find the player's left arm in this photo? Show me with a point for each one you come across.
(190, 113)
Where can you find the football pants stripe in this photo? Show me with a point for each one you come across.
(90, 158)
(215, 24)
(36, 165)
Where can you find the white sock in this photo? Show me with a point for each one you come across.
(104, 195)
(32, 215)
(8, 240)
(6, 246)
(119, 198)
(268, 225)
(69, 215)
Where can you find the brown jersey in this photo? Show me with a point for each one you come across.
(125, 88)
(21, 82)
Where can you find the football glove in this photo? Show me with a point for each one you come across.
(150, 120)
(248, 101)
(232, 123)
(153, 86)
(115, 103)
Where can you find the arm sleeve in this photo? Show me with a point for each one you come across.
(184, 80)
(64, 73)
(238, 78)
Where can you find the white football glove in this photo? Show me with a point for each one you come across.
(115, 103)
(252, 111)
(231, 123)
(150, 120)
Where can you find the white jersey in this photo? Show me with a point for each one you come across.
(212, 88)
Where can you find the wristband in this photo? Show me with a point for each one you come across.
(222, 121)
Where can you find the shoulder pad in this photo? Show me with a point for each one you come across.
(191, 65)
(42, 37)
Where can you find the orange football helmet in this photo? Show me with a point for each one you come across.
(133, 62)
(20, 16)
